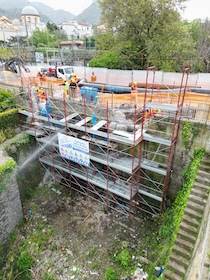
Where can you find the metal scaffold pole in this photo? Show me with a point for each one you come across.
(175, 132)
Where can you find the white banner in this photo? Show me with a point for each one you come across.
(74, 149)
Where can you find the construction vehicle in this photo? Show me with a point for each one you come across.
(14, 65)
(60, 72)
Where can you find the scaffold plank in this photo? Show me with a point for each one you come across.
(83, 121)
(34, 132)
(99, 125)
(69, 117)
(152, 166)
(131, 136)
(150, 195)
(156, 139)
(123, 133)
(162, 106)
(100, 142)
(117, 188)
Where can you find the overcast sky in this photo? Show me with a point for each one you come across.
(195, 8)
(73, 6)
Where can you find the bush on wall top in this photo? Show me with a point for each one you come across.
(5, 170)
(9, 119)
(7, 100)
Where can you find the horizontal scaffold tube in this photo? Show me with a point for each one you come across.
(121, 89)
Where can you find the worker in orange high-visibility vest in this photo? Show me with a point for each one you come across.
(153, 111)
(93, 77)
(134, 93)
(147, 115)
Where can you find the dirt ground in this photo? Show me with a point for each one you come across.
(83, 235)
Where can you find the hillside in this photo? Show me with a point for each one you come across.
(91, 15)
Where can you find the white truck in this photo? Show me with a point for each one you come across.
(61, 72)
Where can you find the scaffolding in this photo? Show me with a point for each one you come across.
(127, 157)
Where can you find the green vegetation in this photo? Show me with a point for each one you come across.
(24, 252)
(9, 119)
(18, 144)
(8, 115)
(186, 134)
(159, 37)
(109, 60)
(48, 276)
(124, 257)
(6, 170)
(110, 274)
(7, 100)
(24, 263)
(159, 243)
(171, 219)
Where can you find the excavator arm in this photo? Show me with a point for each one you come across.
(15, 65)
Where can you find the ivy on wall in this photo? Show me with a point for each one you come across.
(172, 218)
(186, 134)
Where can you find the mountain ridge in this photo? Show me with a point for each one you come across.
(90, 15)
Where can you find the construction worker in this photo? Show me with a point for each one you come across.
(134, 93)
(43, 97)
(73, 85)
(147, 115)
(40, 74)
(39, 93)
(66, 88)
(93, 77)
(153, 111)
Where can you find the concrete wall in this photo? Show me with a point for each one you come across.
(196, 268)
(183, 156)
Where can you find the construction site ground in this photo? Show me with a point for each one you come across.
(84, 240)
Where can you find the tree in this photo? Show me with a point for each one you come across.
(51, 27)
(145, 30)
(49, 39)
(17, 41)
(202, 38)
(109, 60)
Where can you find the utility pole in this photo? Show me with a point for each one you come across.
(85, 64)
(27, 38)
(72, 51)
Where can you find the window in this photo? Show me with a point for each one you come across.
(61, 71)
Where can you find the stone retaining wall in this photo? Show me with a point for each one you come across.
(10, 209)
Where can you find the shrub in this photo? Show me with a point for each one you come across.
(110, 274)
(124, 258)
(109, 60)
(7, 100)
(9, 119)
(2, 136)
(24, 263)
(5, 171)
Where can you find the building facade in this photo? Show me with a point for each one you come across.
(29, 21)
(75, 29)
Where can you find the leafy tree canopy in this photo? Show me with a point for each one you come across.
(145, 30)
(51, 27)
(109, 60)
(49, 39)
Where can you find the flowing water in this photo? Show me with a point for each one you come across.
(36, 153)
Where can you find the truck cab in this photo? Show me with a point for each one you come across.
(64, 72)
